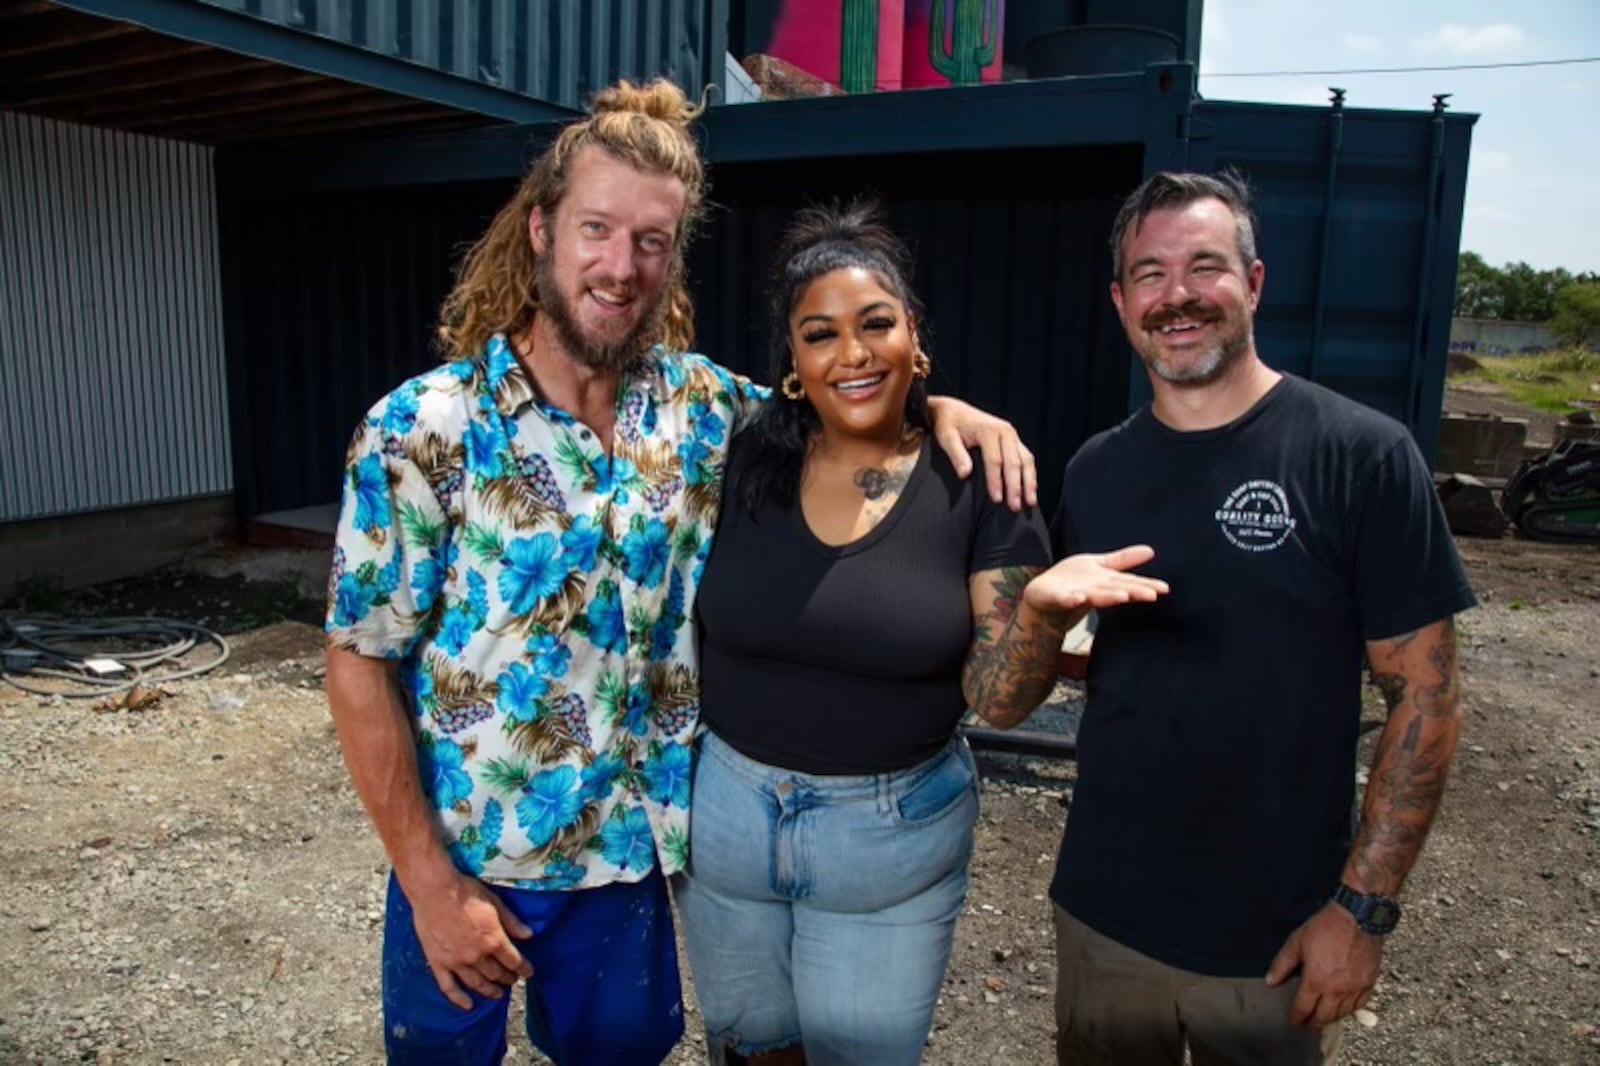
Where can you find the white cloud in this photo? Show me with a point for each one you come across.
(1469, 41)
(1361, 42)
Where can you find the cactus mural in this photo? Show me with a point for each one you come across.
(971, 40)
(858, 47)
(872, 45)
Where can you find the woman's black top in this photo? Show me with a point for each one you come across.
(847, 660)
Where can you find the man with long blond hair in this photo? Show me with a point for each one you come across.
(511, 663)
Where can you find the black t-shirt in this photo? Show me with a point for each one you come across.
(847, 660)
(1213, 810)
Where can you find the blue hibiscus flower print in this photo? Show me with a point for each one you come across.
(667, 776)
(582, 543)
(352, 600)
(499, 363)
(455, 630)
(696, 456)
(647, 551)
(519, 692)
(370, 483)
(428, 577)
(416, 675)
(706, 423)
(626, 842)
(550, 656)
(441, 765)
(484, 444)
(636, 709)
(608, 628)
(400, 413)
(477, 596)
(532, 569)
(560, 875)
(664, 636)
(615, 476)
(550, 803)
(598, 776)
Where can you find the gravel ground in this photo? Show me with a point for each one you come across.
(195, 881)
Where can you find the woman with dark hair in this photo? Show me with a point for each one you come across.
(859, 597)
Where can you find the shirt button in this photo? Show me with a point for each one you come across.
(583, 434)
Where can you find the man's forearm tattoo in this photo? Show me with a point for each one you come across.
(1011, 667)
(1411, 763)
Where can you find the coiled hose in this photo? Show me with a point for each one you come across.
(149, 649)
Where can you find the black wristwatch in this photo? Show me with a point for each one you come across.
(1375, 914)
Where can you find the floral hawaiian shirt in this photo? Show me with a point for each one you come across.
(538, 597)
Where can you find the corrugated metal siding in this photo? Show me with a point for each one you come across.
(110, 325)
(555, 50)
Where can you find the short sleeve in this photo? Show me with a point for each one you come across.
(746, 397)
(1005, 537)
(392, 548)
(1407, 571)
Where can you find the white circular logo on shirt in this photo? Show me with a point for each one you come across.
(1255, 517)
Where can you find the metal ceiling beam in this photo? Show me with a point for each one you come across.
(267, 40)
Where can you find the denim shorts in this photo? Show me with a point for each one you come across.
(819, 909)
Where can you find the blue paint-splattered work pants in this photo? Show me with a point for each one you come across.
(820, 910)
(604, 990)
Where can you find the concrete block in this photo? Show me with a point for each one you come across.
(1481, 445)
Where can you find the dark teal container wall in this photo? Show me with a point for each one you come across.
(332, 301)
(1011, 265)
(337, 294)
(559, 51)
(336, 258)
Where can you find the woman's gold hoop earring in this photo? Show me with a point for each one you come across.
(791, 387)
(921, 365)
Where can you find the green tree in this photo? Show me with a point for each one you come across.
(1479, 288)
(1576, 316)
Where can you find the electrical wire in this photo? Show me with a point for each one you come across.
(148, 649)
(1400, 70)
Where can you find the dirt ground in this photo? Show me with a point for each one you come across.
(195, 882)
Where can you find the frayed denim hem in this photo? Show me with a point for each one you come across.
(718, 1045)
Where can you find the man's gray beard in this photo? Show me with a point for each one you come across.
(1207, 370)
(617, 356)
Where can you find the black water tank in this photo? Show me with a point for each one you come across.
(1098, 50)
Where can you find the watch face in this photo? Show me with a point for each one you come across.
(1383, 914)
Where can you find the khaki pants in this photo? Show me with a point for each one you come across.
(1116, 1006)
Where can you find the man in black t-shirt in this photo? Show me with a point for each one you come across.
(1211, 890)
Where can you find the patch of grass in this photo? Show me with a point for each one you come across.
(1549, 381)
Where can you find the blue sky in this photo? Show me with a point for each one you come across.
(1533, 186)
